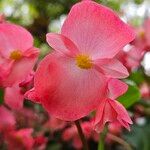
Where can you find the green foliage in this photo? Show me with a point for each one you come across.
(137, 77)
(54, 147)
(130, 97)
(1, 96)
(139, 137)
(138, 1)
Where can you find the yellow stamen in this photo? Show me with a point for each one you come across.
(16, 55)
(142, 34)
(84, 61)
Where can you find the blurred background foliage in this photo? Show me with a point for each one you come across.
(43, 16)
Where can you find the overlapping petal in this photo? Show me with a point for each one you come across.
(116, 88)
(122, 114)
(62, 44)
(19, 71)
(14, 37)
(112, 68)
(13, 97)
(96, 30)
(111, 111)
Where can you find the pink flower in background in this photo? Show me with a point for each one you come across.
(115, 128)
(17, 54)
(131, 59)
(134, 57)
(13, 97)
(71, 81)
(28, 118)
(2, 18)
(147, 31)
(110, 110)
(20, 140)
(54, 124)
(40, 143)
(142, 40)
(7, 119)
(145, 91)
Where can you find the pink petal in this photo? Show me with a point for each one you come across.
(13, 97)
(68, 92)
(105, 113)
(96, 30)
(116, 88)
(7, 118)
(111, 111)
(100, 111)
(19, 71)
(61, 44)
(31, 95)
(14, 37)
(112, 69)
(5, 68)
(31, 52)
(121, 111)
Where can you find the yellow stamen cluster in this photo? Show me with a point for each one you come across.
(142, 34)
(16, 55)
(83, 61)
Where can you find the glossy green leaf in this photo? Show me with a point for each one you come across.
(130, 97)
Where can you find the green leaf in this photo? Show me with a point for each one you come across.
(1, 96)
(130, 97)
(137, 77)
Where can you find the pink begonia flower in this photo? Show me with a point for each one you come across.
(110, 110)
(17, 54)
(70, 82)
(20, 140)
(7, 119)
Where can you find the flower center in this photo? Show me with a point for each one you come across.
(84, 61)
(142, 34)
(16, 55)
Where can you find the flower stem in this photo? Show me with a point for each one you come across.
(120, 141)
(81, 134)
(101, 143)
